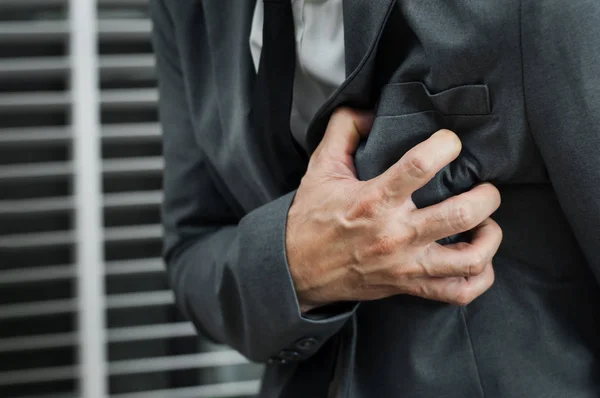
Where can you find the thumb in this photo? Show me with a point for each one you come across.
(345, 130)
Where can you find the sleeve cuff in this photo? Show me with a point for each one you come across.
(277, 330)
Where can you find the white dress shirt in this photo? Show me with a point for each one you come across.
(320, 66)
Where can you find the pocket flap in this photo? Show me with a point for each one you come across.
(405, 98)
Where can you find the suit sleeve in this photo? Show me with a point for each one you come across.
(560, 42)
(229, 273)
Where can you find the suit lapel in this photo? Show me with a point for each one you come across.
(363, 25)
(236, 150)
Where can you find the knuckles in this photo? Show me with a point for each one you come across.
(366, 206)
(387, 244)
(477, 261)
(384, 246)
(477, 266)
(398, 275)
(461, 217)
(417, 167)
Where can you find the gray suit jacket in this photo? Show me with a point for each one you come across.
(518, 80)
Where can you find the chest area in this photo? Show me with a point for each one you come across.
(453, 66)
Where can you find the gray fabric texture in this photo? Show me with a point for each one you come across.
(518, 80)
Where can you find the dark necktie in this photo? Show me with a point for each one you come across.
(272, 97)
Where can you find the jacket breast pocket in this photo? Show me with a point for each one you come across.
(408, 113)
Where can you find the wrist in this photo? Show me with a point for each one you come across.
(315, 270)
(305, 292)
(309, 292)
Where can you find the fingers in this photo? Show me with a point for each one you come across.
(345, 130)
(419, 165)
(463, 259)
(457, 214)
(458, 291)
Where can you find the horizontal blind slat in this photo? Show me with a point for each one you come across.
(37, 274)
(176, 362)
(37, 205)
(56, 238)
(116, 200)
(134, 333)
(34, 100)
(38, 66)
(114, 335)
(223, 390)
(145, 299)
(131, 131)
(117, 301)
(129, 165)
(36, 170)
(58, 272)
(127, 98)
(37, 308)
(58, 169)
(38, 31)
(38, 3)
(52, 31)
(37, 342)
(38, 239)
(38, 375)
(44, 67)
(130, 267)
(138, 61)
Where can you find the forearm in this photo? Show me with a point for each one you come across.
(233, 282)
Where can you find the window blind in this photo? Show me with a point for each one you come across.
(148, 349)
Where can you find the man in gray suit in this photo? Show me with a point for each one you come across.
(328, 191)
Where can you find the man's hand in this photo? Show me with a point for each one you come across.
(351, 240)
